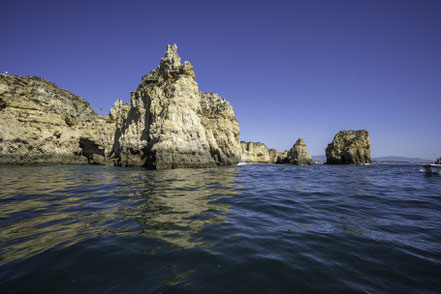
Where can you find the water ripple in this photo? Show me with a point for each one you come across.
(249, 228)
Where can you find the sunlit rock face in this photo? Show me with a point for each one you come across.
(41, 123)
(349, 147)
(171, 124)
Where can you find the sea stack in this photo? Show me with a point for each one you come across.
(297, 155)
(171, 124)
(349, 147)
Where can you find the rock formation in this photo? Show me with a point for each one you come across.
(169, 123)
(296, 155)
(41, 123)
(221, 129)
(349, 147)
(256, 152)
(273, 155)
(282, 157)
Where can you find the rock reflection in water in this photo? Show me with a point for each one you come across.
(42, 207)
(175, 205)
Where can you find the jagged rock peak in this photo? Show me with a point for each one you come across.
(170, 68)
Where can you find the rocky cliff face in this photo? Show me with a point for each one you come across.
(41, 123)
(169, 123)
(257, 153)
(349, 147)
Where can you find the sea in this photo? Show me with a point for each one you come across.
(249, 228)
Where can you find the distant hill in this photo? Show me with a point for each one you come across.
(384, 158)
(319, 157)
(401, 159)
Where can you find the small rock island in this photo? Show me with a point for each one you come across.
(349, 147)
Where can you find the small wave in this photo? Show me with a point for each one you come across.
(242, 163)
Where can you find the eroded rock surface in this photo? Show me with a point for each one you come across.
(349, 147)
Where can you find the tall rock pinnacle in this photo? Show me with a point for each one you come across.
(172, 124)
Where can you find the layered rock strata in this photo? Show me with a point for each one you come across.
(349, 147)
(168, 124)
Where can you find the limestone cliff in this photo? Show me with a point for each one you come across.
(168, 124)
(349, 147)
(41, 123)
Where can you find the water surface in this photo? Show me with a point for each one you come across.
(242, 229)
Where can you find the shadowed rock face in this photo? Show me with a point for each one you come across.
(349, 147)
(168, 124)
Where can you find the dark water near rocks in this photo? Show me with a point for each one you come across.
(242, 229)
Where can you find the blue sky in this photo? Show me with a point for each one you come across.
(290, 68)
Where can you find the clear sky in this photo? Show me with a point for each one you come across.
(290, 68)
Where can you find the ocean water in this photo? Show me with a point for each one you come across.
(255, 228)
